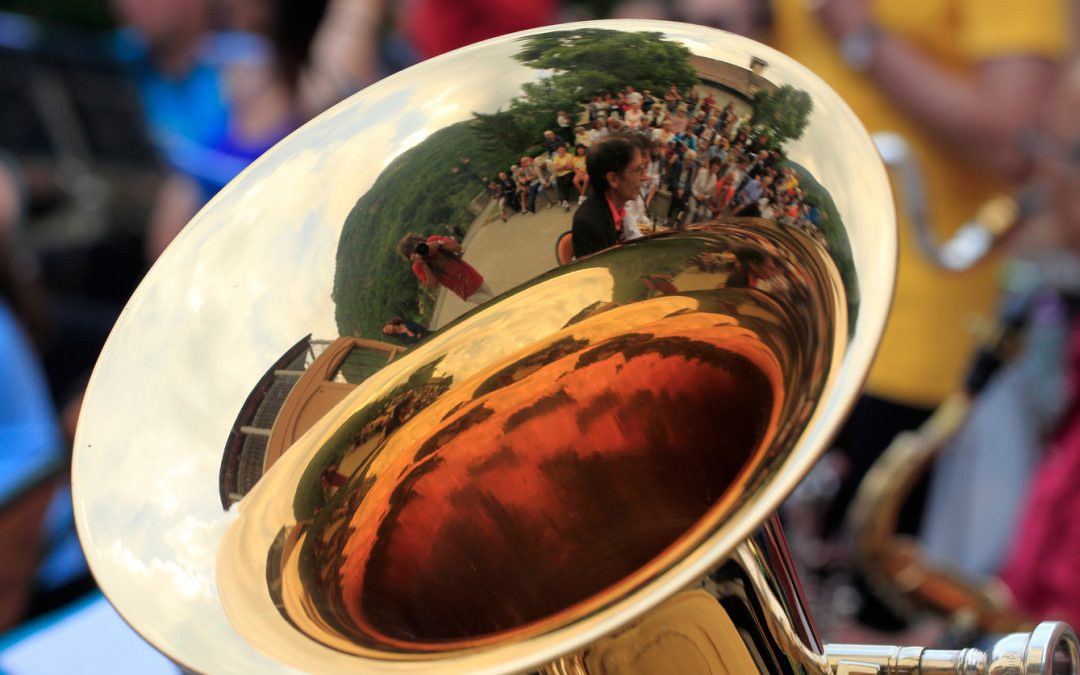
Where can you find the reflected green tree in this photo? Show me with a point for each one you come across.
(587, 62)
(583, 64)
(832, 226)
(421, 191)
(782, 113)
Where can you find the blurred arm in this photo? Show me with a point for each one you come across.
(344, 54)
(981, 117)
(177, 202)
(424, 272)
(979, 114)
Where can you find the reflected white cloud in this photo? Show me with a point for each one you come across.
(248, 277)
(407, 143)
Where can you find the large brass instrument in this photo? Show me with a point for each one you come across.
(577, 476)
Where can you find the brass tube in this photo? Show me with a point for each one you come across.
(1050, 648)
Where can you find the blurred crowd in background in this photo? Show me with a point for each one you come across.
(119, 119)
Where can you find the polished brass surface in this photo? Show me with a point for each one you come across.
(524, 486)
(710, 627)
(543, 483)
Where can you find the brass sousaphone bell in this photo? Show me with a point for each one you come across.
(576, 476)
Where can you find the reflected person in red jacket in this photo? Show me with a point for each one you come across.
(436, 261)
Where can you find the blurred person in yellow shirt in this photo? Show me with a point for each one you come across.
(960, 81)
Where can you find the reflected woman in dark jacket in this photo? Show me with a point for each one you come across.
(405, 331)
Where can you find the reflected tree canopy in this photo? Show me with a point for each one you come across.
(584, 63)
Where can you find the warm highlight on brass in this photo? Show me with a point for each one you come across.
(565, 474)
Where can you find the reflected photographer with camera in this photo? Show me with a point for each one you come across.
(437, 261)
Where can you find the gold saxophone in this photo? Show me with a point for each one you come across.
(894, 563)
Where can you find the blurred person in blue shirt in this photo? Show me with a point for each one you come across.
(216, 100)
(32, 455)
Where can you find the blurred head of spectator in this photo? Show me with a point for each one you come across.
(172, 29)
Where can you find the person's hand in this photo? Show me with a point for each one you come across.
(844, 17)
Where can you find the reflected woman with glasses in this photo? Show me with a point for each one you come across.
(615, 170)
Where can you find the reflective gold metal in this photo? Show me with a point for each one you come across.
(538, 487)
(576, 476)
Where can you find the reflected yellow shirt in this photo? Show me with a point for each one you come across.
(928, 342)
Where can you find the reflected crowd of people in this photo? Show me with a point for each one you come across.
(702, 161)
